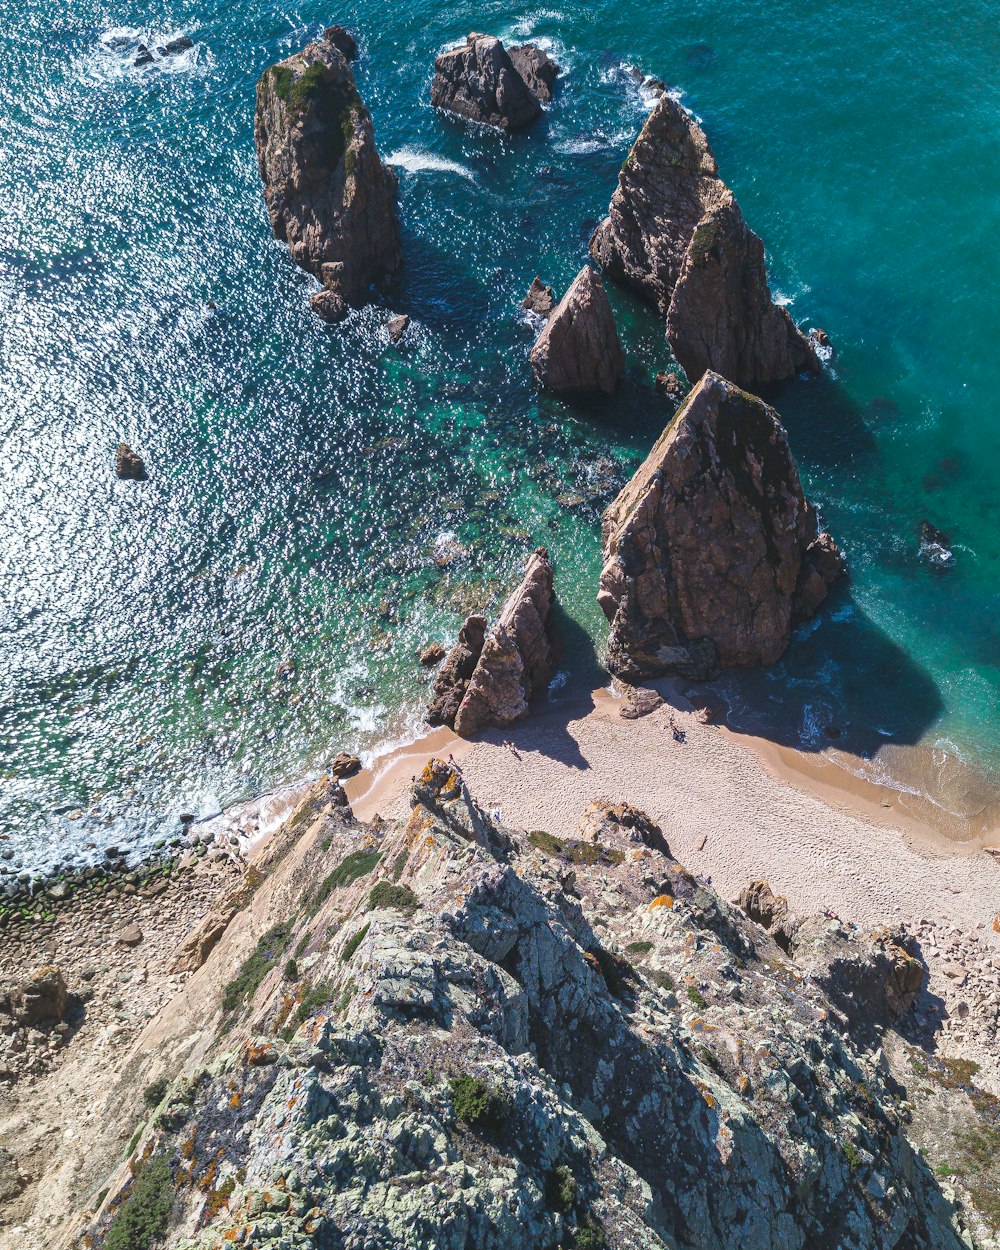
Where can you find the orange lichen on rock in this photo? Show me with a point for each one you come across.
(662, 900)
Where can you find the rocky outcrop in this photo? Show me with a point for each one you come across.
(343, 41)
(712, 552)
(676, 235)
(579, 352)
(328, 193)
(397, 327)
(481, 82)
(540, 298)
(38, 1000)
(489, 678)
(508, 1041)
(536, 68)
(129, 464)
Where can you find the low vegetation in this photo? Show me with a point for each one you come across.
(350, 869)
(476, 1102)
(576, 851)
(269, 949)
(386, 894)
(354, 942)
(141, 1220)
(155, 1092)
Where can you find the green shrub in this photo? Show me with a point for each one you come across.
(385, 894)
(255, 968)
(589, 1237)
(301, 944)
(853, 1157)
(639, 948)
(546, 842)
(696, 996)
(560, 1189)
(142, 1218)
(476, 1102)
(155, 1092)
(399, 864)
(315, 997)
(291, 972)
(663, 979)
(354, 942)
(350, 869)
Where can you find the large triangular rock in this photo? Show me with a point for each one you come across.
(711, 551)
(479, 81)
(579, 352)
(490, 678)
(328, 193)
(675, 234)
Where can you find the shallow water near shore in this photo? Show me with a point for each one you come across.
(320, 496)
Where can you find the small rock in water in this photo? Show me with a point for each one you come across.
(433, 653)
(342, 40)
(669, 384)
(345, 765)
(181, 44)
(397, 327)
(820, 336)
(540, 298)
(129, 464)
(144, 56)
(935, 546)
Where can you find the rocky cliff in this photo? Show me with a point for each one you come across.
(328, 194)
(675, 234)
(446, 1033)
(712, 552)
(484, 82)
(489, 678)
(578, 351)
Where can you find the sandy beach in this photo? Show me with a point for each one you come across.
(733, 809)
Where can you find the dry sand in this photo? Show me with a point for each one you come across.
(732, 808)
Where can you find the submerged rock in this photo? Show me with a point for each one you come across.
(935, 546)
(489, 678)
(479, 81)
(675, 234)
(129, 465)
(579, 352)
(712, 552)
(328, 193)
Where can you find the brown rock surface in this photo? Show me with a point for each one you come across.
(675, 234)
(579, 352)
(490, 677)
(328, 193)
(536, 68)
(433, 653)
(343, 41)
(711, 551)
(479, 82)
(540, 298)
(397, 327)
(129, 464)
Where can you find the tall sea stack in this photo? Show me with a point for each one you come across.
(712, 552)
(328, 193)
(675, 234)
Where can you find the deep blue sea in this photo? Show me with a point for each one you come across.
(320, 496)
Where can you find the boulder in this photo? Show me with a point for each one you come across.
(479, 82)
(609, 822)
(669, 384)
(579, 352)
(675, 234)
(181, 44)
(771, 913)
(39, 999)
(490, 677)
(345, 765)
(397, 327)
(129, 465)
(638, 702)
(328, 193)
(343, 41)
(537, 69)
(432, 654)
(540, 298)
(712, 552)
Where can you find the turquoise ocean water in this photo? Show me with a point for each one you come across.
(320, 496)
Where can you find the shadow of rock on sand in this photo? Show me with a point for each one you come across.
(842, 683)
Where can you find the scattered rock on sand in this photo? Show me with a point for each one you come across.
(712, 552)
(129, 465)
(130, 936)
(432, 654)
(397, 327)
(490, 677)
(478, 81)
(676, 235)
(327, 191)
(579, 352)
(540, 298)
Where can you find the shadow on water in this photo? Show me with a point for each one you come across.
(842, 683)
(826, 427)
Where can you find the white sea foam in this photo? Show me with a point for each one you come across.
(113, 57)
(414, 162)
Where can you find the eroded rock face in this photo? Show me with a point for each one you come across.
(579, 1048)
(489, 678)
(540, 298)
(578, 352)
(480, 82)
(328, 194)
(537, 69)
(712, 552)
(675, 234)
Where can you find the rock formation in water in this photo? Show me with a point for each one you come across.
(490, 677)
(328, 193)
(483, 82)
(343, 41)
(712, 552)
(676, 235)
(129, 465)
(540, 298)
(443, 1032)
(579, 352)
